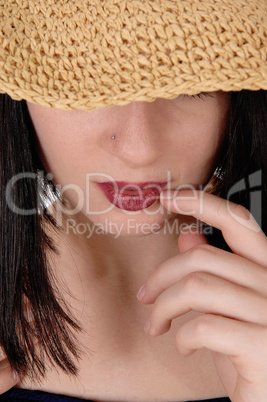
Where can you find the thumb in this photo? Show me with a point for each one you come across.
(191, 237)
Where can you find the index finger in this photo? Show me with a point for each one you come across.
(240, 230)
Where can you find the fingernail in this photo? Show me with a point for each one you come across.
(141, 293)
(147, 326)
(167, 194)
(15, 375)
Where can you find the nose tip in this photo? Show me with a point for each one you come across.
(134, 137)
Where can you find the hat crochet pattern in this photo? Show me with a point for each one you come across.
(84, 54)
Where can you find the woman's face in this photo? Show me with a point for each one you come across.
(141, 146)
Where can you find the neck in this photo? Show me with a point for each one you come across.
(109, 259)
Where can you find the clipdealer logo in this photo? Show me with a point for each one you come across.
(45, 197)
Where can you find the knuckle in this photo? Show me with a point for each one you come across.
(203, 325)
(194, 282)
(200, 252)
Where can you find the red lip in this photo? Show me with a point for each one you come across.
(132, 196)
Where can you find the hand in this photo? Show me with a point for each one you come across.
(8, 379)
(229, 290)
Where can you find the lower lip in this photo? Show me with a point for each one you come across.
(131, 200)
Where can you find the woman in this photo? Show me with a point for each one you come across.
(164, 129)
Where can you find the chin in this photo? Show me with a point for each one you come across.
(134, 224)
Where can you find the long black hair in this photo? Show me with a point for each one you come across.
(30, 305)
(25, 275)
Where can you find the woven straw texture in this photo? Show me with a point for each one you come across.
(89, 54)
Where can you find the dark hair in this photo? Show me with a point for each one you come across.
(242, 164)
(27, 284)
(25, 273)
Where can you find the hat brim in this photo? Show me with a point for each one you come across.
(90, 54)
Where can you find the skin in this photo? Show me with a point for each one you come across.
(213, 299)
(8, 379)
(152, 140)
(229, 289)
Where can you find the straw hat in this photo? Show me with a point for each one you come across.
(89, 54)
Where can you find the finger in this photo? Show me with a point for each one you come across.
(8, 379)
(210, 331)
(207, 294)
(188, 239)
(229, 337)
(236, 340)
(239, 228)
(206, 259)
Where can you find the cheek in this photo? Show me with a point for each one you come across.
(55, 144)
(204, 136)
(51, 149)
(62, 158)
